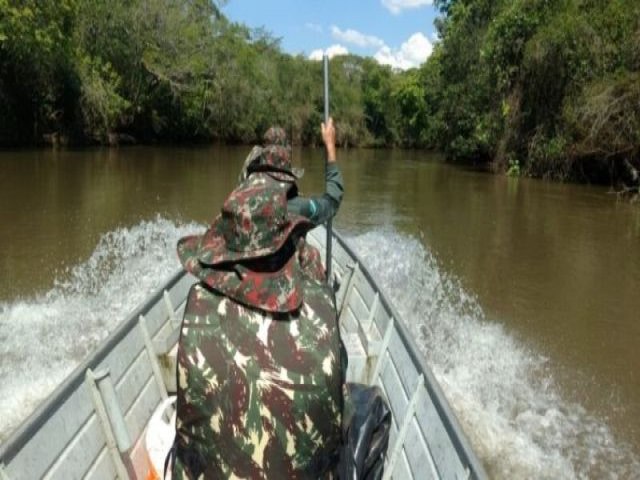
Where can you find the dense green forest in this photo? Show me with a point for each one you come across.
(549, 88)
(546, 88)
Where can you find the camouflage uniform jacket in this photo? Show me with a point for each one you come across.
(259, 395)
(321, 208)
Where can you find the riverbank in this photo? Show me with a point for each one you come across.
(544, 88)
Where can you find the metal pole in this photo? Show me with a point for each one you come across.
(325, 61)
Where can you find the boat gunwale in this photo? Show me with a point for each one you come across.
(446, 414)
(45, 410)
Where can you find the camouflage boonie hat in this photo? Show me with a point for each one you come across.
(248, 253)
(275, 136)
(274, 158)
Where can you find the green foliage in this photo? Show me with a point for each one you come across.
(35, 28)
(553, 83)
(35, 51)
(179, 71)
(409, 96)
(466, 87)
(379, 109)
(101, 106)
(547, 157)
(507, 37)
(514, 168)
(604, 119)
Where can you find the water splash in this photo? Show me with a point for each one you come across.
(43, 339)
(502, 391)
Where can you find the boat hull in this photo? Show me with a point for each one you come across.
(92, 426)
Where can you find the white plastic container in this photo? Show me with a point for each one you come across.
(159, 438)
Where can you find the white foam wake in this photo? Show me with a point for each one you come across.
(43, 339)
(503, 392)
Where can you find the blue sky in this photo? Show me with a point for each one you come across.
(396, 32)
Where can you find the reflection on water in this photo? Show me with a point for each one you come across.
(556, 266)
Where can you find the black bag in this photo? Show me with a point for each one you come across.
(366, 423)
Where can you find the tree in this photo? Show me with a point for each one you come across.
(35, 49)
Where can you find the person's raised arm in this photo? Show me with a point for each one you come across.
(329, 139)
(334, 189)
(320, 208)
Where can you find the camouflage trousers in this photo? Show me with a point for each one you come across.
(259, 395)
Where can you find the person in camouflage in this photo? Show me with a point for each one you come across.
(259, 379)
(274, 159)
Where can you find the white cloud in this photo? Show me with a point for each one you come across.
(332, 51)
(411, 53)
(316, 54)
(335, 50)
(313, 27)
(396, 6)
(356, 38)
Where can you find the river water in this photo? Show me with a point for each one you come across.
(523, 295)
